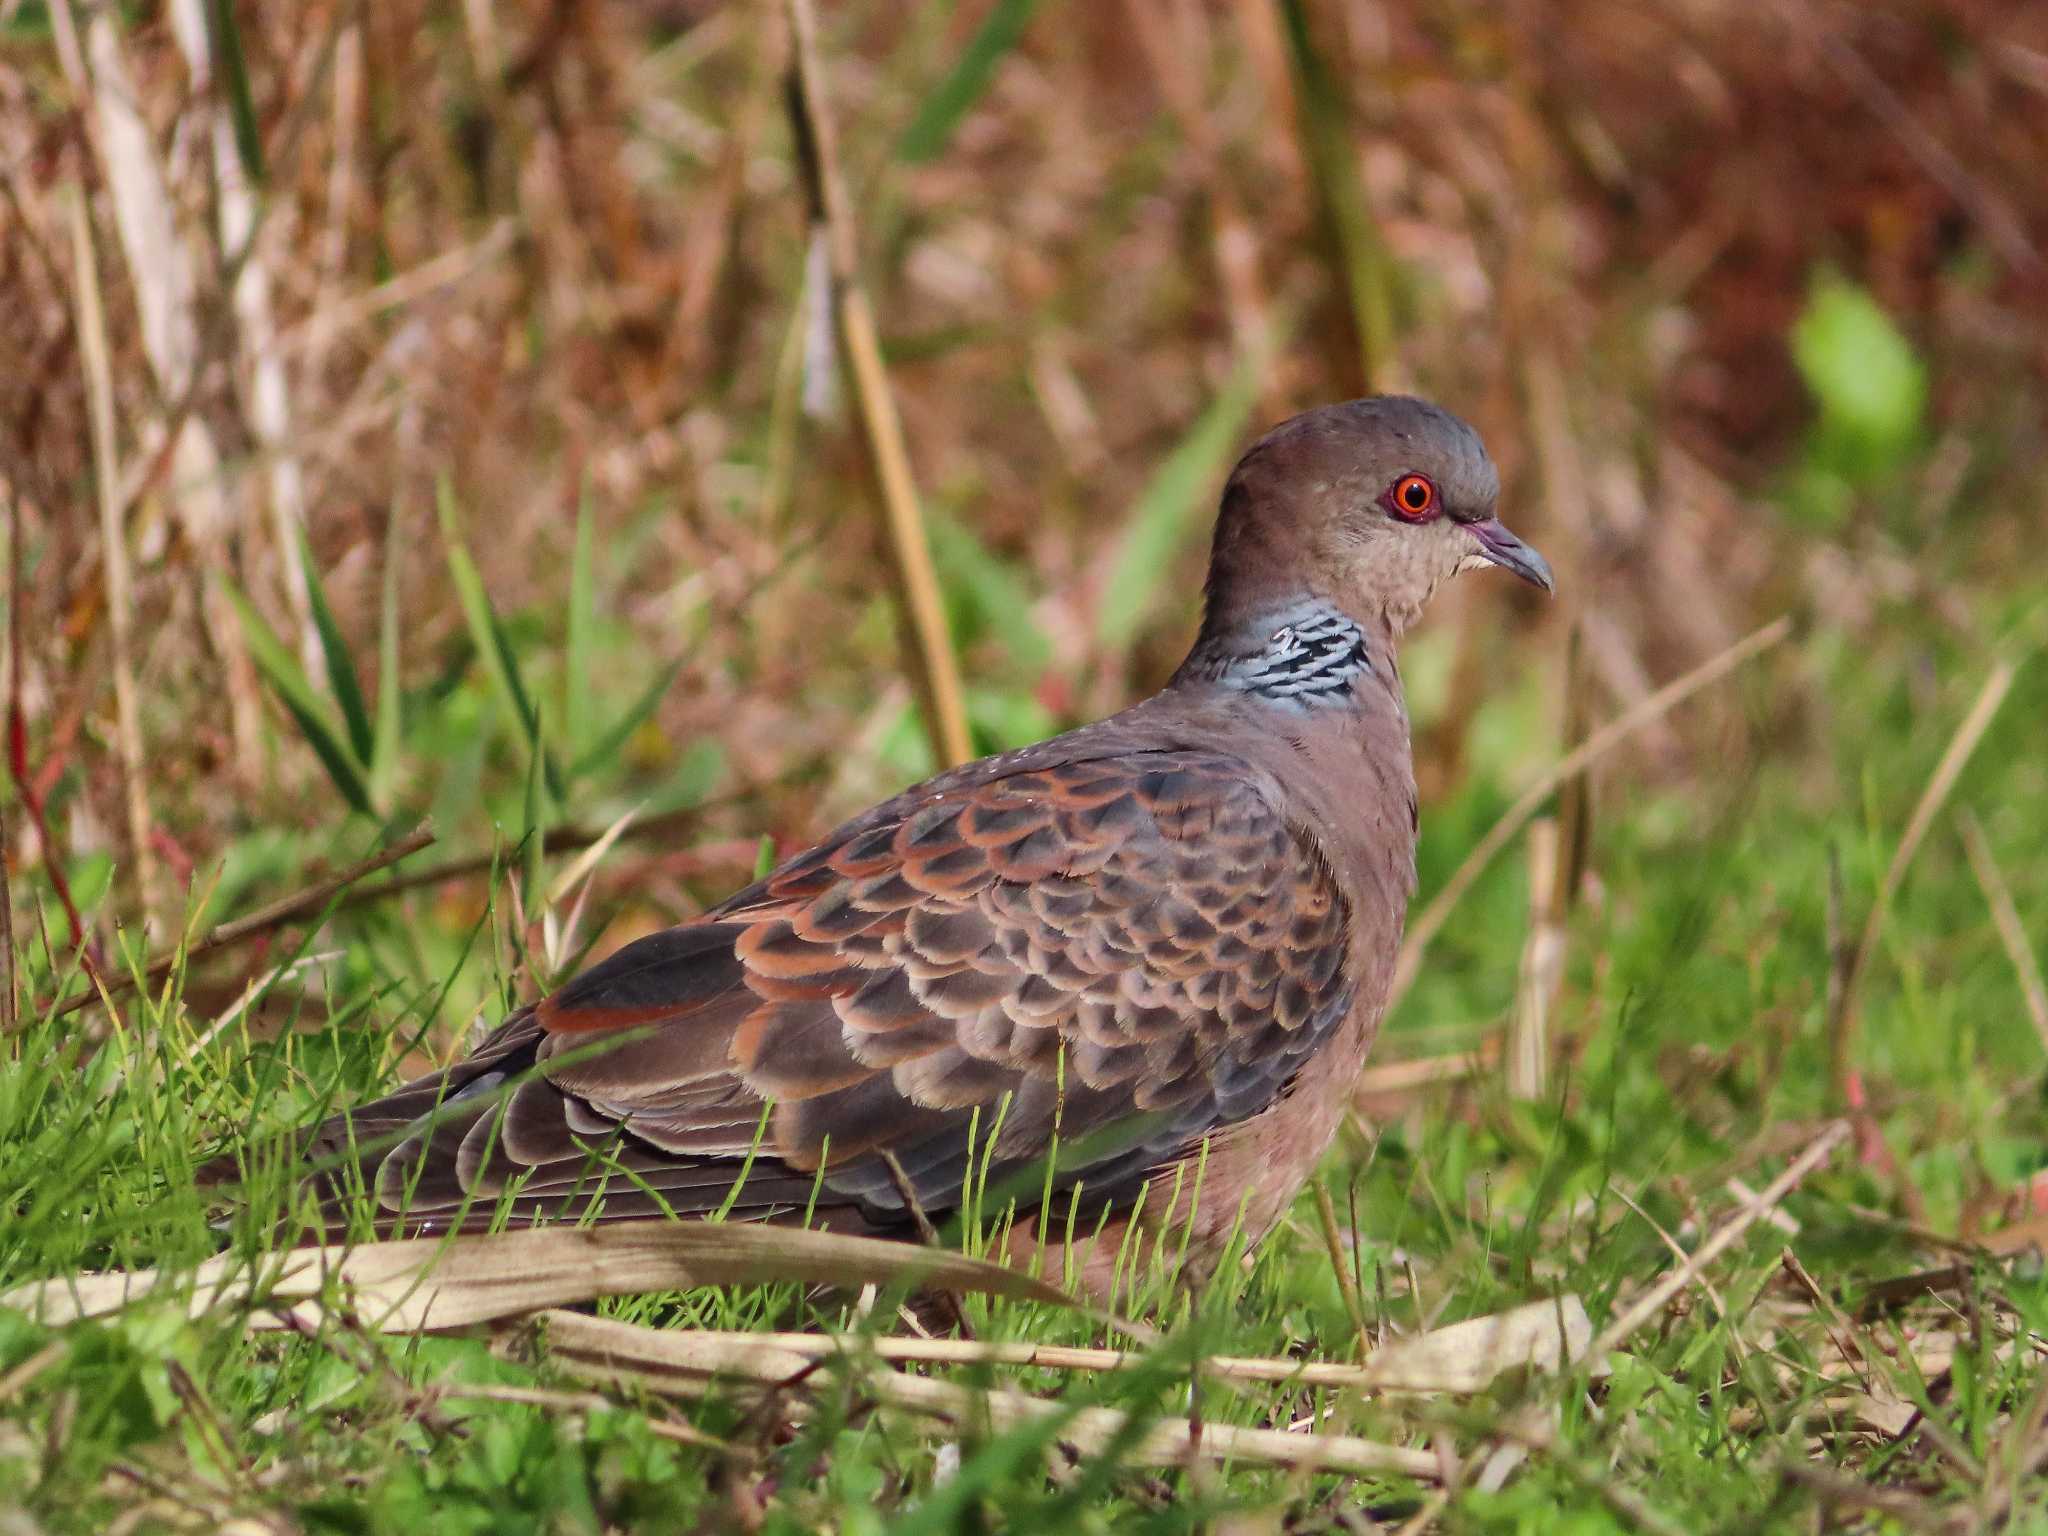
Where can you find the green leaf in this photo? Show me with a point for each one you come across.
(281, 670)
(987, 593)
(1864, 375)
(608, 745)
(342, 676)
(576, 677)
(1170, 508)
(953, 97)
(492, 643)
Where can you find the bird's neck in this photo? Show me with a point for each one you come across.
(1299, 653)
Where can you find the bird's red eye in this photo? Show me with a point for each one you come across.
(1413, 497)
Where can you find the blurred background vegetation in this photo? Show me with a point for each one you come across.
(433, 410)
(1747, 302)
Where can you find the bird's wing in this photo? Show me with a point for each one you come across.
(1119, 953)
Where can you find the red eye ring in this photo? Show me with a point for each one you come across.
(1412, 498)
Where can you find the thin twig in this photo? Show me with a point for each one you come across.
(99, 384)
(936, 668)
(738, 853)
(1430, 921)
(1842, 1027)
(1347, 1282)
(948, 1301)
(263, 919)
(2006, 917)
(1651, 1302)
(1713, 1295)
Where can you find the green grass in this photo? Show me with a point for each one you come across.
(1695, 1049)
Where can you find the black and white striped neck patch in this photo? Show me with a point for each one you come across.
(1310, 657)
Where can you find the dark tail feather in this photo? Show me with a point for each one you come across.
(346, 1152)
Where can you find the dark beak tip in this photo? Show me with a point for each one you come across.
(1500, 546)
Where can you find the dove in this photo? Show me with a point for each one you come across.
(1121, 982)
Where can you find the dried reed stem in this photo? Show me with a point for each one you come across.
(268, 404)
(1521, 1332)
(1432, 918)
(667, 1360)
(160, 275)
(934, 666)
(99, 388)
(1842, 1029)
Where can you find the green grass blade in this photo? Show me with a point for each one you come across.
(284, 675)
(390, 727)
(342, 676)
(232, 69)
(533, 870)
(1350, 232)
(953, 97)
(987, 594)
(607, 746)
(1170, 509)
(576, 722)
(492, 643)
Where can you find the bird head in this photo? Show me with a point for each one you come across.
(1371, 505)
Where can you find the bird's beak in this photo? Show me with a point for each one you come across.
(1510, 553)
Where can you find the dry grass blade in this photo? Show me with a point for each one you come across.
(1542, 969)
(1430, 921)
(166, 300)
(2006, 917)
(924, 610)
(662, 1360)
(1842, 1028)
(1461, 1358)
(1650, 1302)
(263, 919)
(1403, 1076)
(99, 384)
(410, 1285)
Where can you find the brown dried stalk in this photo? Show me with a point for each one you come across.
(934, 666)
(99, 387)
